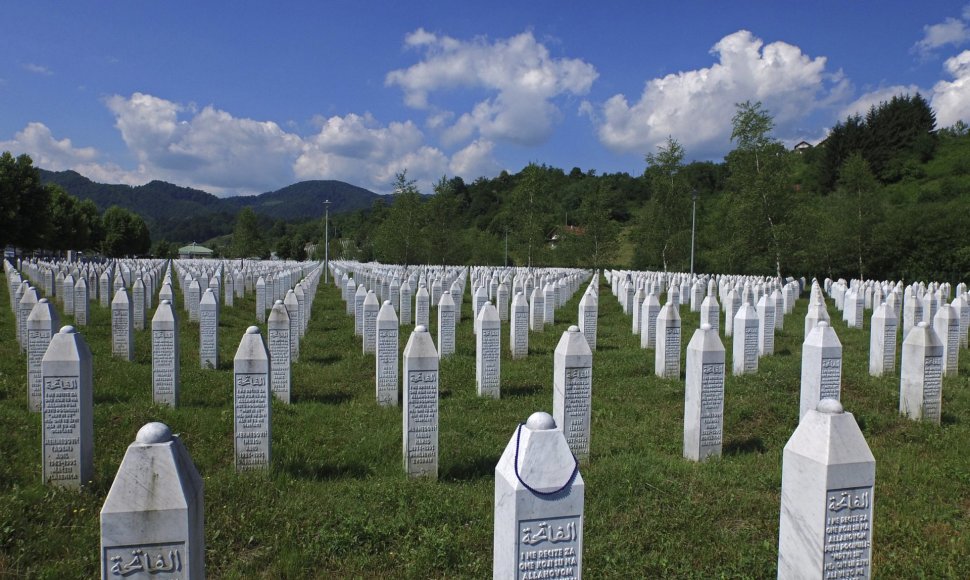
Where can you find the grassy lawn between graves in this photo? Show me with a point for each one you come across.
(337, 504)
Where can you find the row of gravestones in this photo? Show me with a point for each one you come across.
(698, 379)
(378, 326)
(826, 506)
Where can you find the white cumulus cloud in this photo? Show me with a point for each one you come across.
(209, 149)
(952, 31)
(951, 99)
(358, 149)
(696, 106)
(519, 76)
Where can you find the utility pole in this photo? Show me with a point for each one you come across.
(693, 229)
(326, 246)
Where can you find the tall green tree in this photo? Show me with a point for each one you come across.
(595, 241)
(443, 232)
(529, 213)
(858, 188)
(24, 203)
(663, 236)
(247, 237)
(125, 233)
(400, 239)
(760, 186)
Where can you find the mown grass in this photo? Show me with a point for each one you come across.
(337, 504)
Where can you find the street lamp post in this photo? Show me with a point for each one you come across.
(693, 229)
(326, 244)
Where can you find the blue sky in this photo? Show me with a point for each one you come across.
(244, 97)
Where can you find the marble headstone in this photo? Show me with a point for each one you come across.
(420, 413)
(573, 390)
(67, 411)
(166, 378)
(252, 428)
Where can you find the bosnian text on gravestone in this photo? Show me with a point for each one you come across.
(208, 348)
(750, 347)
(387, 363)
(252, 421)
(62, 429)
(576, 423)
(447, 337)
(889, 345)
(119, 334)
(37, 342)
(548, 548)
(848, 533)
(279, 351)
(952, 349)
(831, 379)
(712, 403)
(490, 358)
(521, 334)
(672, 352)
(422, 420)
(162, 560)
(932, 384)
(163, 362)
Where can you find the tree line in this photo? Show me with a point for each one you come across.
(34, 216)
(884, 196)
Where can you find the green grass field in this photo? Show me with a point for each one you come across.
(337, 504)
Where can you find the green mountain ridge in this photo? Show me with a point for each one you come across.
(179, 213)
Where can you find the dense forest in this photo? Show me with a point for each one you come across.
(885, 195)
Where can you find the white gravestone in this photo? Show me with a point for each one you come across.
(882, 341)
(502, 302)
(422, 307)
(25, 305)
(420, 413)
(821, 368)
(572, 380)
(588, 314)
(946, 325)
(166, 378)
(371, 307)
(359, 296)
(82, 306)
(481, 297)
(252, 426)
(537, 315)
(42, 324)
(816, 312)
(648, 320)
(67, 294)
(488, 353)
(405, 298)
(538, 513)
(827, 479)
(152, 522)
(704, 395)
(667, 355)
(921, 375)
(192, 297)
(711, 312)
(209, 330)
(293, 311)
(260, 300)
(67, 411)
(138, 304)
(122, 339)
(386, 355)
(549, 297)
(278, 329)
(446, 325)
(519, 326)
(731, 305)
(766, 326)
(744, 353)
(229, 292)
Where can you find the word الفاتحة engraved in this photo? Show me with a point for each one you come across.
(848, 533)
(548, 548)
(154, 560)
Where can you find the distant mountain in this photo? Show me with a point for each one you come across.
(184, 214)
(304, 200)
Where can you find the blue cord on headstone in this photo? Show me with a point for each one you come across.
(569, 480)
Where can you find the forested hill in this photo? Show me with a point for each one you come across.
(182, 213)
